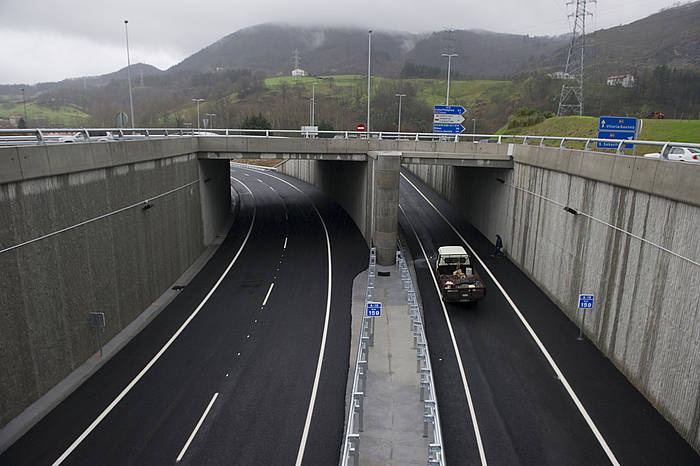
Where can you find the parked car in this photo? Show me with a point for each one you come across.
(685, 154)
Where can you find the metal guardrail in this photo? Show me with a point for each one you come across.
(351, 444)
(431, 417)
(43, 136)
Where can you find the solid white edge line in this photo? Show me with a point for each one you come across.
(194, 432)
(269, 290)
(317, 378)
(155, 358)
(544, 351)
(467, 392)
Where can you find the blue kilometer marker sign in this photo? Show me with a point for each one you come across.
(611, 127)
(373, 309)
(585, 301)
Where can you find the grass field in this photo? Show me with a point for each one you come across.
(430, 91)
(60, 116)
(587, 127)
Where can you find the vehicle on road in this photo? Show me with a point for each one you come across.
(685, 154)
(80, 137)
(458, 280)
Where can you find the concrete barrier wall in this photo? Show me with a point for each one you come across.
(348, 183)
(647, 314)
(118, 264)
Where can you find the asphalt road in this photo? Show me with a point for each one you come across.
(523, 411)
(248, 358)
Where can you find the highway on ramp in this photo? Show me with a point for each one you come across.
(227, 372)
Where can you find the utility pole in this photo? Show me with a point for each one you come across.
(399, 126)
(210, 117)
(571, 99)
(449, 62)
(128, 71)
(24, 102)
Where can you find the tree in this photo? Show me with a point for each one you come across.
(255, 122)
(21, 124)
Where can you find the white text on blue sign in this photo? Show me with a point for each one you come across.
(373, 309)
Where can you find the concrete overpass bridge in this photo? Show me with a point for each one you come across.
(621, 227)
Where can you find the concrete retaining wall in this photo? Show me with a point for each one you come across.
(348, 183)
(118, 264)
(647, 315)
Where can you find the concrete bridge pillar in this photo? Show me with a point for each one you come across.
(385, 202)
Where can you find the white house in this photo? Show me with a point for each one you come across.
(624, 80)
(298, 72)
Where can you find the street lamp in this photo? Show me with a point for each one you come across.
(474, 130)
(198, 102)
(128, 71)
(211, 119)
(369, 66)
(449, 62)
(313, 102)
(399, 96)
(24, 102)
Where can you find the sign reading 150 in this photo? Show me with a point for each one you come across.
(373, 309)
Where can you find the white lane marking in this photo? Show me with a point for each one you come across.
(131, 384)
(259, 180)
(319, 364)
(271, 188)
(532, 333)
(246, 174)
(285, 243)
(467, 392)
(199, 424)
(268, 294)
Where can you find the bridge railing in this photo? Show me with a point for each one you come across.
(83, 135)
(355, 424)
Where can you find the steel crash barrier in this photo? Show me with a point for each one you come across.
(431, 417)
(15, 137)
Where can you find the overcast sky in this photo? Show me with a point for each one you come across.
(49, 40)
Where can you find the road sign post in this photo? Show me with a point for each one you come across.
(585, 301)
(98, 322)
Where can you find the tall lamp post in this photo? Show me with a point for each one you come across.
(313, 103)
(24, 102)
(198, 101)
(128, 70)
(474, 130)
(449, 62)
(399, 126)
(369, 68)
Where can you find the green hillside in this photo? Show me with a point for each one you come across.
(41, 115)
(585, 127)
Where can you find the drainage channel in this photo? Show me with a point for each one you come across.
(392, 408)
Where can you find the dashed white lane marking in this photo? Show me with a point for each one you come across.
(259, 180)
(131, 384)
(199, 424)
(272, 285)
(467, 392)
(285, 243)
(319, 364)
(557, 371)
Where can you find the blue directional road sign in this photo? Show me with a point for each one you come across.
(585, 301)
(446, 125)
(448, 128)
(612, 127)
(449, 109)
(373, 309)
